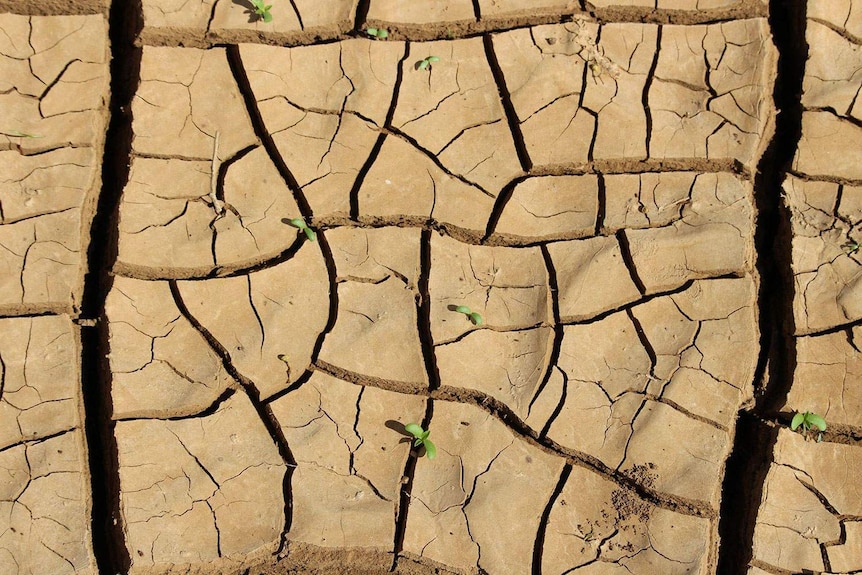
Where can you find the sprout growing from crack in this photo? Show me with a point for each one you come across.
(300, 223)
(852, 247)
(473, 315)
(426, 63)
(262, 11)
(421, 438)
(808, 421)
(378, 33)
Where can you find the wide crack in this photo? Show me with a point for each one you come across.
(745, 470)
(107, 525)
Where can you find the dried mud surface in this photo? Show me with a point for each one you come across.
(665, 268)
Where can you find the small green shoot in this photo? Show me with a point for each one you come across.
(262, 10)
(473, 315)
(852, 247)
(808, 421)
(426, 63)
(421, 438)
(17, 134)
(378, 33)
(300, 223)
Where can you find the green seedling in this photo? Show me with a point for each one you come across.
(262, 10)
(852, 247)
(17, 134)
(808, 421)
(300, 223)
(426, 63)
(473, 315)
(379, 33)
(421, 438)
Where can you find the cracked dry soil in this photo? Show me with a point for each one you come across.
(664, 264)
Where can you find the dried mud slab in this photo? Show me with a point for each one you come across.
(162, 366)
(828, 377)
(421, 12)
(349, 461)
(171, 22)
(267, 322)
(324, 129)
(650, 385)
(826, 216)
(597, 527)
(693, 92)
(479, 503)
(842, 15)
(381, 316)
(507, 355)
(549, 208)
(825, 219)
(453, 110)
(712, 238)
(218, 476)
(45, 507)
(405, 184)
(44, 479)
(809, 516)
(39, 375)
(206, 198)
(53, 95)
(830, 123)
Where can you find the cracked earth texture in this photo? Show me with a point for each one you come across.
(665, 269)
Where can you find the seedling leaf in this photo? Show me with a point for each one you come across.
(262, 10)
(423, 64)
(300, 223)
(432, 59)
(797, 421)
(817, 421)
(379, 33)
(476, 318)
(17, 134)
(463, 309)
(421, 436)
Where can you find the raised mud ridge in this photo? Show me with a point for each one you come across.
(654, 206)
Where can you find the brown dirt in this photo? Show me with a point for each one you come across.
(189, 385)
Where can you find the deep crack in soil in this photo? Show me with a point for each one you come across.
(752, 454)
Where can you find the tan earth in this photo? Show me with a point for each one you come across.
(662, 272)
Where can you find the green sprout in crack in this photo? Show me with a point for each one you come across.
(426, 63)
(300, 223)
(473, 315)
(852, 247)
(262, 11)
(809, 421)
(378, 33)
(421, 438)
